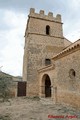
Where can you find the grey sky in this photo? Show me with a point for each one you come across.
(13, 19)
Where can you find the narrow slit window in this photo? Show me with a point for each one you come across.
(48, 30)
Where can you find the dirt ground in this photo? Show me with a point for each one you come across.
(36, 109)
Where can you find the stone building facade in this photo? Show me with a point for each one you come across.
(64, 75)
(51, 62)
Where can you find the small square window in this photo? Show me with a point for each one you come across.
(47, 61)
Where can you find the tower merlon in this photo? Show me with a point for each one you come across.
(58, 17)
(32, 10)
(50, 14)
(41, 15)
(41, 12)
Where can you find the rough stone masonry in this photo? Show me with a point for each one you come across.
(51, 62)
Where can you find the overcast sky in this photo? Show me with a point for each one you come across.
(13, 19)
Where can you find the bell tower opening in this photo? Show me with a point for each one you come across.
(47, 30)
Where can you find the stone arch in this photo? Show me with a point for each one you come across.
(46, 86)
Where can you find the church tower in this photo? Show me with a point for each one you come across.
(43, 39)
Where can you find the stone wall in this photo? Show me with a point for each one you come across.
(68, 83)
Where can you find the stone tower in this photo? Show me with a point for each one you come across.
(43, 39)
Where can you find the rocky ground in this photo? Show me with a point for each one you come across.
(36, 109)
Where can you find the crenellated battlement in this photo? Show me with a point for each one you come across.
(42, 15)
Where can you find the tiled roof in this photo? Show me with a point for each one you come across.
(71, 47)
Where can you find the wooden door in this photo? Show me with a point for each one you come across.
(21, 91)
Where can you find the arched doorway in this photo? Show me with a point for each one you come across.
(47, 86)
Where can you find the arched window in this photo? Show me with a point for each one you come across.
(47, 61)
(47, 30)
